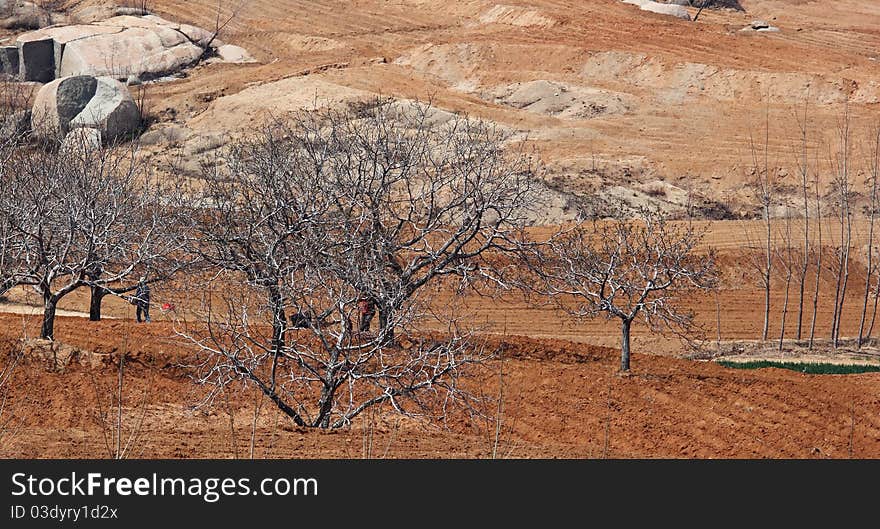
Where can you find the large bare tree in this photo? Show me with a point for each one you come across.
(323, 219)
(626, 269)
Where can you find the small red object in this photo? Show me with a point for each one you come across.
(167, 306)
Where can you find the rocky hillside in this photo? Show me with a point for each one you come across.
(622, 102)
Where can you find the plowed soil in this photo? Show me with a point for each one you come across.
(559, 399)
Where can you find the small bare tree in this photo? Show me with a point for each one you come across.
(764, 185)
(803, 165)
(874, 173)
(81, 216)
(788, 262)
(818, 276)
(224, 16)
(842, 181)
(626, 269)
(120, 439)
(319, 222)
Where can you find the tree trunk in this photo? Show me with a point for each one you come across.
(818, 265)
(767, 275)
(874, 312)
(785, 307)
(803, 271)
(325, 407)
(868, 274)
(47, 332)
(385, 327)
(834, 313)
(279, 320)
(845, 229)
(624, 346)
(848, 242)
(805, 188)
(97, 296)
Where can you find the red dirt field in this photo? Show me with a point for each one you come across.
(560, 399)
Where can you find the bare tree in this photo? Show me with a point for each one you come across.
(626, 269)
(147, 241)
(319, 220)
(222, 19)
(804, 170)
(45, 217)
(79, 216)
(843, 189)
(872, 213)
(818, 277)
(787, 259)
(764, 186)
(875, 172)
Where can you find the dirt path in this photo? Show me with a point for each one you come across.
(33, 310)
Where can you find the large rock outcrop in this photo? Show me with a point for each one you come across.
(36, 57)
(61, 36)
(83, 101)
(135, 51)
(123, 47)
(9, 61)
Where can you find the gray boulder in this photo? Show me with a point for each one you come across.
(234, 54)
(666, 9)
(9, 60)
(111, 110)
(59, 102)
(36, 58)
(16, 124)
(167, 134)
(63, 35)
(146, 52)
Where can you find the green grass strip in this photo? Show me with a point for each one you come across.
(805, 367)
